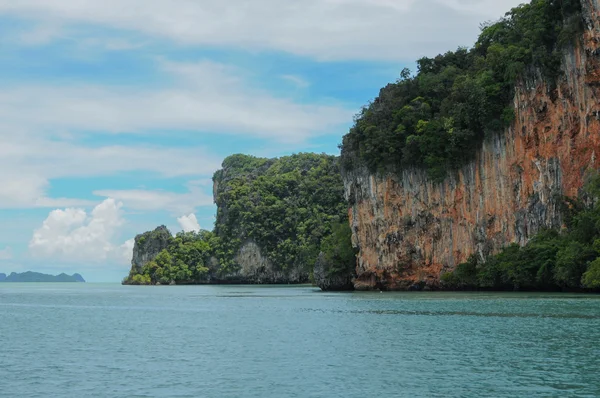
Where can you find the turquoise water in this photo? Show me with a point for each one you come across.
(76, 340)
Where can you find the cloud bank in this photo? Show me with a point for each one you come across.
(321, 29)
(73, 235)
(205, 97)
(189, 223)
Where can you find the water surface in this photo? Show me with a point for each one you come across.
(95, 340)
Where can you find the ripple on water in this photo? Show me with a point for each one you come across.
(212, 341)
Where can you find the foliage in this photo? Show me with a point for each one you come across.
(591, 279)
(552, 260)
(338, 249)
(140, 279)
(463, 276)
(185, 260)
(436, 119)
(286, 206)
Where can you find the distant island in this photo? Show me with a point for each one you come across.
(39, 277)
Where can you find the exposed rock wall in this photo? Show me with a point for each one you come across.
(148, 245)
(410, 230)
(254, 268)
(272, 215)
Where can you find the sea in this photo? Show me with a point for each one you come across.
(107, 340)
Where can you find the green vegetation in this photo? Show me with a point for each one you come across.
(287, 206)
(437, 119)
(567, 260)
(185, 260)
(292, 208)
(338, 250)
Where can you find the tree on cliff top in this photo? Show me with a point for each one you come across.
(437, 119)
(185, 259)
(284, 205)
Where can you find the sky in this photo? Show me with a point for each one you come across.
(115, 114)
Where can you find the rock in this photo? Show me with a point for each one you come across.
(30, 276)
(328, 279)
(252, 241)
(148, 245)
(254, 268)
(408, 227)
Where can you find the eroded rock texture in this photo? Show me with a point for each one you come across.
(410, 230)
(254, 268)
(148, 245)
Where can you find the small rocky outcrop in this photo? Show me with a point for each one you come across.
(331, 278)
(148, 245)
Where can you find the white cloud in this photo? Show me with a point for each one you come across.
(491, 8)
(297, 81)
(28, 164)
(42, 34)
(189, 223)
(126, 250)
(324, 29)
(205, 97)
(177, 203)
(40, 127)
(55, 159)
(73, 235)
(6, 253)
(24, 189)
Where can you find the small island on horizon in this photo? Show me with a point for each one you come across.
(30, 276)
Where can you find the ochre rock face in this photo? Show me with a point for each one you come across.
(410, 230)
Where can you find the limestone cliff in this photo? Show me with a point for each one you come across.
(271, 217)
(410, 230)
(148, 245)
(255, 268)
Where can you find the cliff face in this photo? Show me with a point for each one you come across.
(148, 245)
(251, 265)
(272, 215)
(410, 230)
(255, 268)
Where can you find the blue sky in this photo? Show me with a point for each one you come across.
(115, 114)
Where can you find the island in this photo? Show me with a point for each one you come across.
(480, 171)
(30, 276)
